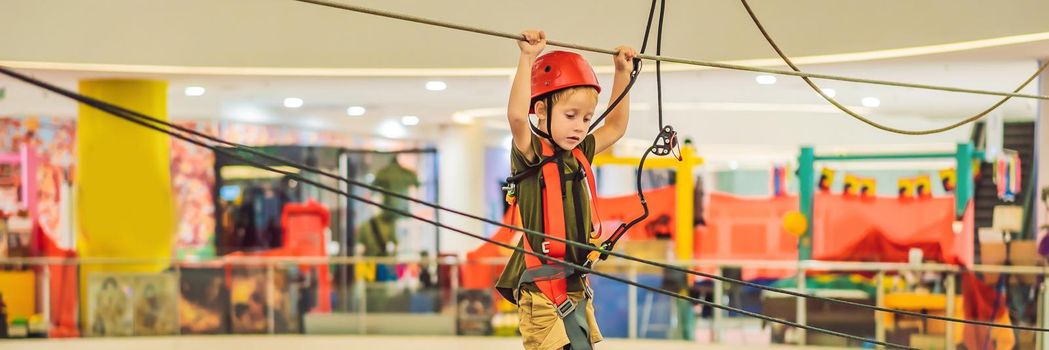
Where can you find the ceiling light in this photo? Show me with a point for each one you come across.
(871, 102)
(829, 92)
(293, 102)
(462, 118)
(391, 130)
(194, 90)
(766, 79)
(410, 120)
(355, 111)
(436, 85)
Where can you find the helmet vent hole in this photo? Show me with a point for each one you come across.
(547, 69)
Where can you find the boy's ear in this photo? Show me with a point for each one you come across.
(540, 109)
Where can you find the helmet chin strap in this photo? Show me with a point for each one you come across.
(550, 123)
(549, 134)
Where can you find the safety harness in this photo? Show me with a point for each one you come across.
(549, 277)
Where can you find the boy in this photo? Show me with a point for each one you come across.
(553, 199)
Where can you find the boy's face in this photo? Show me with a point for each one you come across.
(571, 119)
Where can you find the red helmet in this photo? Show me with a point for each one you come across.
(557, 70)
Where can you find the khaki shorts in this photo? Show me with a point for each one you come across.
(541, 328)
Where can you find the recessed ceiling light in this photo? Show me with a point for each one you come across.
(871, 102)
(355, 111)
(194, 90)
(829, 92)
(293, 102)
(462, 118)
(410, 120)
(391, 130)
(436, 85)
(766, 79)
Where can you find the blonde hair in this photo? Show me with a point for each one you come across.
(559, 95)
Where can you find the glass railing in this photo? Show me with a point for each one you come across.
(93, 297)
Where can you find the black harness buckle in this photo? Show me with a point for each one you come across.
(566, 308)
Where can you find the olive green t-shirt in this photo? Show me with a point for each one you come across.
(529, 202)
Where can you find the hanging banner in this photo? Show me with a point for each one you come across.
(949, 179)
(856, 186)
(905, 188)
(826, 179)
(868, 187)
(923, 186)
(852, 185)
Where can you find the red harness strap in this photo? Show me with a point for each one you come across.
(550, 277)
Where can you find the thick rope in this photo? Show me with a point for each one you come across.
(163, 127)
(659, 68)
(113, 109)
(866, 120)
(449, 25)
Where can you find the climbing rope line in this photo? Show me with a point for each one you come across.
(449, 25)
(866, 120)
(659, 67)
(796, 72)
(165, 127)
(634, 72)
(152, 123)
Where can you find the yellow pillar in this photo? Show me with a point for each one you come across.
(123, 179)
(685, 184)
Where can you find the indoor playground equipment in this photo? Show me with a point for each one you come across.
(884, 229)
(749, 228)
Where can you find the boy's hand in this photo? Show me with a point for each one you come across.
(624, 58)
(534, 43)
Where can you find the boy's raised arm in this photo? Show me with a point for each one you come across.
(520, 92)
(617, 120)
